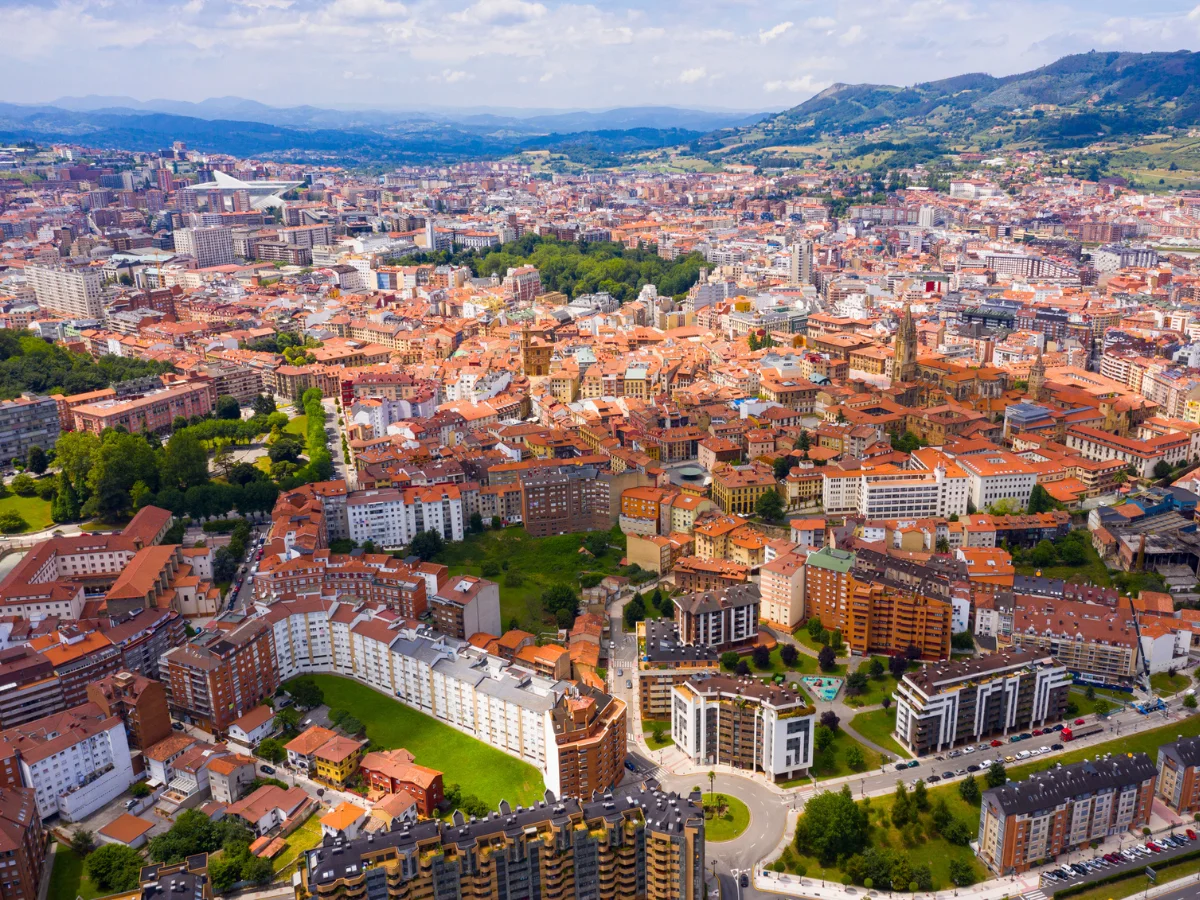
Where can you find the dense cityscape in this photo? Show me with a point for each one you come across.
(530, 527)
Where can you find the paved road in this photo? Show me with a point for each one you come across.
(334, 422)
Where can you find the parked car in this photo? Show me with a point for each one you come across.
(1058, 727)
(178, 726)
(900, 767)
(130, 804)
(629, 684)
(955, 754)
(947, 774)
(933, 779)
(912, 763)
(266, 770)
(1191, 835)
(1010, 758)
(972, 768)
(620, 673)
(1037, 732)
(1153, 847)
(997, 743)
(1056, 746)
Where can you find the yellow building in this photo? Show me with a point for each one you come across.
(337, 760)
(736, 489)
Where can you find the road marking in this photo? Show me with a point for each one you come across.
(1034, 895)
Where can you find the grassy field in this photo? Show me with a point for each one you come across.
(1143, 742)
(648, 726)
(832, 763)
(525, 566)
(307, 836)
(297, 426)
(1087, 707)
(1093, 571)
(805, 665)
(1165, 685)
(928, 849)
(34, 510)
(478, 769)
(68, 879)
(730, 824)
(877, 688)
(877, 726)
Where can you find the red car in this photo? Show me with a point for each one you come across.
(1037, 732)
(1191, 835)
(997, 743)
(1153, 847)
(1079, 721)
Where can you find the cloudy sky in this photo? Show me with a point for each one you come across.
(404, 54)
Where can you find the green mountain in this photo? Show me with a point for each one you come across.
(1073, 101)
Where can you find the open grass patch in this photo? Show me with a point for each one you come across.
(1165, 684)
(34, 510)
(649, 726)
(307, 836)
(877, 688)
(1086, 707)
(833, 762)
(725, 817)
(477, 768)
(1092, 571)
(877, 726)
(1146, 742)
(297, 426)
(524, 566)
(69, 879)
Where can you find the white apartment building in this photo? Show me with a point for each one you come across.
(484, 696)
(391, 518)
(70, 291)
(76, 761)
(887, 492)
(209, 246)
(377, 413)
(998, 476)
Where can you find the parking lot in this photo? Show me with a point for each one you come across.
(1132, 859)
(972, 759)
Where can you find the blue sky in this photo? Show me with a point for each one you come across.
(738, 54)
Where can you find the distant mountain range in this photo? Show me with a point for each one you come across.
(1070, 102)
(247, 128)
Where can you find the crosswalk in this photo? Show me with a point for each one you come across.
(1034, 895)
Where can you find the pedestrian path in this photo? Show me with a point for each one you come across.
(1034, 895)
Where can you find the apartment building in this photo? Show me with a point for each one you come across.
(691, 573)
(828, 584)
(219, 676)
(391, 518)
(1177, 783)
(664, 661)
(997, 476)
(506, 705)
(887, 492)
(466, 605)
(639, 844)
(154, 411)
(28, 421)
(29, 687)
(75, 761)
(964, 702)
(1141, 455)
(721, 620)
(744, 723)
(781, 582)
(564, 500)
(590, 734)
(22, 844)
(736, 489)
(138, 702)
(884, 619)
(73, 292)
(1066, 808)
(1094, 641)
(209, 245)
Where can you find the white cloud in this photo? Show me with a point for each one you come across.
(805, 84)
(366, 10)
(820, 23)
(851, 35)
(501, 12)
(765, 37)
(691, 76)
(452, 76)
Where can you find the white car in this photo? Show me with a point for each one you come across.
(969, 749)
(1024, 754)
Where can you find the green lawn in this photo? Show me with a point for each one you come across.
(1085, 707)
(68, 879)
(877, 726)
(1093, 571)
(805, 665)
(729, 824)
(648, 726)
(1142, 742)
(525, 566)
(478, 769)
(34, 510)
(877, 688)
(832, 763)
(297, 426)
(928, 850)
(1164, 685)
(307, 836)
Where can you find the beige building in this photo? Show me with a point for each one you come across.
(782, 585)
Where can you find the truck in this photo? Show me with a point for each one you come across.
(1149, 706)
(1075, 732)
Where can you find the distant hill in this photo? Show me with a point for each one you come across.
(1069, 102)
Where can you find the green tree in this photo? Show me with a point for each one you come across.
(23, 485)
(475, 523)
(1162, 469)
(962, 873)
(1044, 554)
(823, 738)
(996, 775)
(139, 790)
(287, 719)
(1040, 500)
(856, 684)
(228, 407)
(902, 808)
(769, 507)
(426, 544)
(65, 506)
(1190, 701)
(115, 867)
(875, 667)
(854, 758)
(185, 462)
(789, 654)
(920, 797)
(968, 789)
(12, 522)
(193, 832)
(74, 452)
(306, 692)
(782, 466)
(263, 405)
(83, 842)
(122, 460)
(832, 826)
(271, 749)
(35, 460)
(729, 659)
(827, 659)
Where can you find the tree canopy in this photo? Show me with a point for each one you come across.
(832, 826)
(29, 363)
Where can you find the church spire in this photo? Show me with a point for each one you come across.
(1037, 377)
(904, 359)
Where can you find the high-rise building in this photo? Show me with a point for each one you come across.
(800, 263)
(70, 291)
(211, 245)
(28, 421)
(1068, 808)
(22, 844)
(633, 845)
(139, 702)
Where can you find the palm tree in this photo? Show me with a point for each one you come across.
(712, 778)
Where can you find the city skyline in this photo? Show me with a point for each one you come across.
(521, 54)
